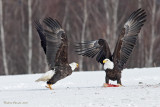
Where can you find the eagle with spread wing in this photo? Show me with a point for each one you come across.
(114, 63)
(55, 45)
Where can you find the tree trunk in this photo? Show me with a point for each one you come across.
(3, 40)
(140, 42)
(115, 16)
(66, 13)
(139, 3)
(83, 32)
(152, 39)
(107, 17)
(30, 36)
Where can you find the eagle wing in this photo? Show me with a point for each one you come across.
(128, 37)
(42, 36)
(93, 48)
(55, 41)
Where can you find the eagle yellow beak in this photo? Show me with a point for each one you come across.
(77, 65)
(104, 61)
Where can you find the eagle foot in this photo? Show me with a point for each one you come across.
(120, 85)
(111, 85)
(49, 86)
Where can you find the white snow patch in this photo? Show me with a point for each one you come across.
(83, 89)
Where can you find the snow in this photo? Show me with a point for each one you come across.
(83, 89)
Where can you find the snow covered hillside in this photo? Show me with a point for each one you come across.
(83, 89)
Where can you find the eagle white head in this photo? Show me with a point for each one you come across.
(73, 66)
(108, 64)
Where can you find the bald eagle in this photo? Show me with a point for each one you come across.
(114, 63)
(55, 45)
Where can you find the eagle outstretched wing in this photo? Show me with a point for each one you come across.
(42, 36)
(128, 37)
(53, 41)
(93, 48)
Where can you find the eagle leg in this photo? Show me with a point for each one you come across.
(107, 79)
(119, 81)
(49, 86)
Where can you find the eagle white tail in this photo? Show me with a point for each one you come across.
(48, 75)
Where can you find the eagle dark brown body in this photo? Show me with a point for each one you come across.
(124, 47)
(61, 72)
(113, 74)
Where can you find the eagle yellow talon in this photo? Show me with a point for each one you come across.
(105, 85)
(49, 86)
(119, 85)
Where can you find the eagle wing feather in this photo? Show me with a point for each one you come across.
(53, 41)
(128, 37)
(93, 48)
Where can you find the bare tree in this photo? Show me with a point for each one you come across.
(115, 16)
(139, 3)
(30, 36)
(85, 16)
(66, 14)
(3, 40)
(153, 35)
(111, 15)
(106, 5)
(140, 40)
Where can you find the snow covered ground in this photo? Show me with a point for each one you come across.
(83, 89)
